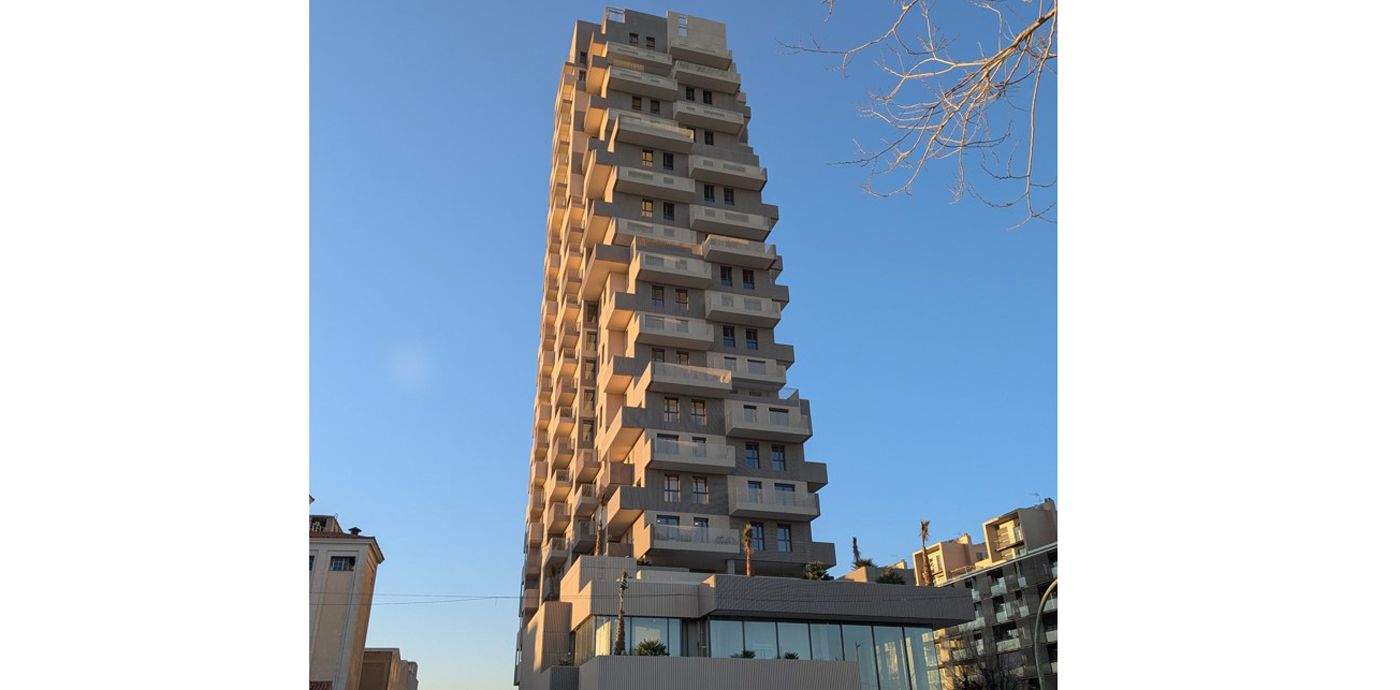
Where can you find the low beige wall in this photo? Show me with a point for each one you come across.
(700, 673)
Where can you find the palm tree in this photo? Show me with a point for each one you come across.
(747, 540)
(815, 571)
(855, 553)
(923, 541)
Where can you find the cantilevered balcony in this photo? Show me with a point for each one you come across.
(700, 52)
(743, 309)
(688, 542)
(651, 184)
(539, 471)
(651, 58)
(648, 130)
(615, 474)
(686, 379)
(616, 308)
(627, 231)
(582, 501)
(556, 518)
(670, 269)
(624, 507)
(616, 373)
(621, 432)
(814, 473)
(753, 372)
(599, 261)
(709, 117)
(561, 453)
(768, 501)
(581, 535)
(535, 506)
(534, 534)
(586, 466)
(770, 421)
(732, 223)
(722, 80)
(555, 552)
(530, 600)
(737, 252)
(663, 450)
(729, 173)
(670, 331)
(562, 423)
(557, 487)
(643, 84)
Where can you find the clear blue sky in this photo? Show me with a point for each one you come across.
(925, 332)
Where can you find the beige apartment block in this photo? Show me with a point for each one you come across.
(343, 567)
(1005, 578)
(384, 669)
(663, 421)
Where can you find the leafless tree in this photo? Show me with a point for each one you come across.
(986, 671)
(968, 101)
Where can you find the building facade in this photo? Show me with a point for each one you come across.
(343, 568)
(663, 427)
(1005, 576)
(385, 669)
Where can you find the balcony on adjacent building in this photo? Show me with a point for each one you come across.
(766, 501)
(704, 453)
(753, 372)
(703, 116)
(647, 183)
(670, 331)
(737, 252)
(1009, 645)
(742, 309)
(662, 377)
(644, 56)
(627, 231)
(732, 223)
(769, 421)
(729, 173)
(686, 48)
(555, 552)
(670, 269)
(644, 84)
(722, 80)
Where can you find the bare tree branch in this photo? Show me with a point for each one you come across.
(971, 104)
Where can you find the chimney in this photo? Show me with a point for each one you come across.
(355, 531)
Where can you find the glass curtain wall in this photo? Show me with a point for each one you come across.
(888, 657)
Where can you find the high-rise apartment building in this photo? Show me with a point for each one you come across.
(663, 428)
(1005, 576)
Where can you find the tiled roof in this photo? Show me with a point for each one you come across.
(340, 535)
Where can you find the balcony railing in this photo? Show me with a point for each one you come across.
(739, 252)
(709, 117)
(660, 185)
(676, 327)
(612, 49)
(749, 369)
(685, 378)
(725, 80)
(733, 223)
(766, 420)
(639, 128)
(728, 172)
(688, 534)
(691, 271)
(667, 234)
(752, 311)
(641, 83)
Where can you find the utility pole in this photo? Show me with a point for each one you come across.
(1035, 641)
(620, 646)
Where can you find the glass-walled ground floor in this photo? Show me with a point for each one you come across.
(888, 657)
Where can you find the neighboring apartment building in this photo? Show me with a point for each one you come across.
(385, 669)
(1005, 576)
(343, 567)
(662, 424)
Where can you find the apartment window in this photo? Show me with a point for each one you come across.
(672, 493)
(785, 538)
(590, 369)
(637, 103)
(700, 492)
(690, 93)
(682, 26)
(728, 335)
(777, 416)
(731, 363)
(673, 410)
(668, 444)
(590, 340)
(704, 524)
(682, 357)
(728, 196)
(313, 562)
(582, 57)
(668, 210)
(587, 433)
(709, 193)
(697, 412)
(633, 38)
(751, 416)
(658, 296)
(779, 457)
(651, 42)
(709, 97)
(756, 529)
(683, 297)
(658, 354)
(785, 494)
(668, 520)
(646, 158)
(668, 161)
(726, 276)
(342, 563)
(751, 338)
(697, 446)
(751, 455)
(646, 208)
(655, 107)
(709, 138)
